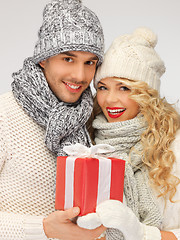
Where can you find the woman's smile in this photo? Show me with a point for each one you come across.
(115, 112)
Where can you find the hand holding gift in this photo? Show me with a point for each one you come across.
(59, 225)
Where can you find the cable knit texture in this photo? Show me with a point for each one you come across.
(64, 123)
(27, 174)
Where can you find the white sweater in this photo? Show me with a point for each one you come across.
(171, 212)
(28, 172)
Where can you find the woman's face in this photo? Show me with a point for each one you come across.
(113, 98)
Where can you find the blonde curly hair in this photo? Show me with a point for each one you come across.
(163, 122)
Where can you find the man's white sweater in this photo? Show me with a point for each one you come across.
(27, 174)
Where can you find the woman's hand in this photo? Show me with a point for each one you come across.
(59, 225)
(89, 221)
(114, 214)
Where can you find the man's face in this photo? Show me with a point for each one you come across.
(69, 74)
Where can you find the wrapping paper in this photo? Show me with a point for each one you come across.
(86, 178)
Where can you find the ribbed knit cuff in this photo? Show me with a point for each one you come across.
(33, 227)
(176, 233)
(151, 233)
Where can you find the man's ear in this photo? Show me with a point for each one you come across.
(42, 63)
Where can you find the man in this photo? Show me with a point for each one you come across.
(47, 109)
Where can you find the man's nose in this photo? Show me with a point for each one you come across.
(79, 73)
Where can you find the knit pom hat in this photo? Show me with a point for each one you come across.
(133, 57)
(68, 26)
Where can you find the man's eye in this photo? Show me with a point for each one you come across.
(68, 59)
(90, 63)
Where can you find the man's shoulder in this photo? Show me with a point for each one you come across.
(175, 146)
(6, 95)
(7, 102)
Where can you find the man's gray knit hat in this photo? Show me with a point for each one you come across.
(69, 26)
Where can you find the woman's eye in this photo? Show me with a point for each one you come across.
(124, 88)
(68, 59)
(102, 88)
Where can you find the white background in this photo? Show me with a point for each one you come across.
(21, 19)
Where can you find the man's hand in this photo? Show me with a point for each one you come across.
(59, 225)
(167, 236)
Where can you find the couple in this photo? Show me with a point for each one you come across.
(50, 106)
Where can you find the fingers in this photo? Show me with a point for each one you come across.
(71, 213)
(93, 229)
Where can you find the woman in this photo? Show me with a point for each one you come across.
(145, 131)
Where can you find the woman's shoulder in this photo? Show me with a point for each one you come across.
(175, 146)
(178, 135)
(172, 210)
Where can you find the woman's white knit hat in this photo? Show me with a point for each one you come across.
(133, 57)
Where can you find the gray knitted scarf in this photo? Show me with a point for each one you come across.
(124, 136)
(64, 123)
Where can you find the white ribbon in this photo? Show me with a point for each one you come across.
(104, 181)
(80, 150)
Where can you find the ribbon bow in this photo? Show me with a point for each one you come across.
(83, 151)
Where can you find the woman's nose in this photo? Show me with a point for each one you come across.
(111, 97)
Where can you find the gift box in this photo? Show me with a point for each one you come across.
(86, 178)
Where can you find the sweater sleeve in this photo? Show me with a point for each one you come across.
(21, 227)
(17, 226)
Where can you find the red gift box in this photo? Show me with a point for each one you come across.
(87, 181)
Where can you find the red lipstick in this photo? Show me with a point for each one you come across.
(115, 112)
